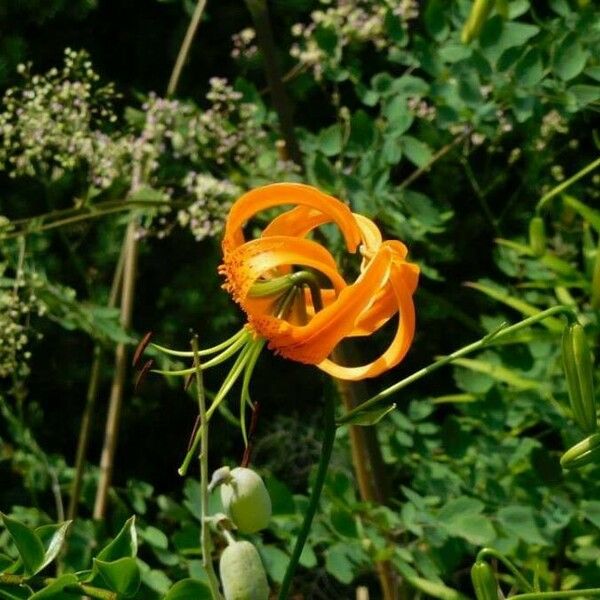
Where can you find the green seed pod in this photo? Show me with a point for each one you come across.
(537, 236)
(577, 363)
(242, 574)
(246, 500)
(477, 17)
(484, 581)
(582, 453)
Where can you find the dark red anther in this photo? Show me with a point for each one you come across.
(251, 431)
(188, 381)
(141, 376)
(194, 432)
(141, 348)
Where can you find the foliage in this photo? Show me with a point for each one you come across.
(447, 145)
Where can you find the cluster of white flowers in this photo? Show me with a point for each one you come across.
(49, 124)
(213, 199)
(244, 45)
(17, 303)
(421, 108)
(350, 22)
(552, 123)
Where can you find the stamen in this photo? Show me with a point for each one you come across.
(141, 376)
(141, 348)
(274, 286)
(206, 351)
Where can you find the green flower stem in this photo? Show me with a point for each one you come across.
(380, 398)
(564, 594)
(203, 352)
(41, 582)
(326, 448)
(484, 552)
(565, 184)
(205, 540)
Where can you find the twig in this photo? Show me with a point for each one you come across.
(281, 102)
(185, 47)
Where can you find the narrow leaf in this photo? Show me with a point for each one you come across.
(368, 416)
(29, 545)
(124, 544)
(52, 537)
(497, 372)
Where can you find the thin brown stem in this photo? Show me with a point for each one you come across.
(368, 467)
(185, 47)
(91, 397)
(116, 393)
(264, 35)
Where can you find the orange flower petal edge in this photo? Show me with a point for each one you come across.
(306, 333)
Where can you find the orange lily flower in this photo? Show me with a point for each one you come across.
(312, 326)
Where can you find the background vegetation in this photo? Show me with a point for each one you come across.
(449, 146)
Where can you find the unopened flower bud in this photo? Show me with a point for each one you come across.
(484, 581)
(477, 17)
(577, 363)
(582, 453)
(537, 236)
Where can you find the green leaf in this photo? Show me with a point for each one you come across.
(367, 416)
(416, 151)
(591, 511)
(13, 592)
(498, 36)
(189, 589)
(530, 70)
(570, 58)
(520, 522)
(275, 561)
(30, 547)
(155, 537)
(125, 543)
(585, 94)
(591, 215)
(56, 590)
(341, 561)
(330, 140)
(121, 576)
(498, 372)
(526, 309)
(399, 117)
(53, 538)
(461, 517)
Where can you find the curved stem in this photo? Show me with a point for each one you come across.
(563, 594)
(326, 448)
(495, 554)
(565, 184)
(203, 352)
(379, 398)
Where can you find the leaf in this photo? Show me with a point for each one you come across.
(589, 214)
(498, 372)
(30, 547)
(530, 70)
(585, 94)
(56, 590)
(461, 517)
(121, 576)
(570, 58)
(498, 35)
(155, 537)
(591, 511)
(53, 538)
(367, 416)
(341, 560)
(521, 306)
(520, 522)
(330, 140)
(13, 592)
(416, 151)
(189, 589)
(124, 544)
(275, 561)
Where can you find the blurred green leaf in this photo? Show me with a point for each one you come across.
(121, 575)
(30, 547)
(189, 589)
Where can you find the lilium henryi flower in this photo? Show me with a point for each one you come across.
(305, 332)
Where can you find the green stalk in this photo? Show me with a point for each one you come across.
(79, 588)
(205, 351)
(379, 398)
(566, 183)
(205, 540)
(564, 594)
(495, 554)
(326, 448)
